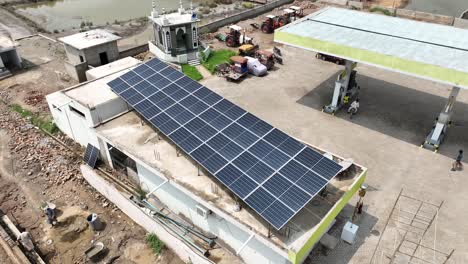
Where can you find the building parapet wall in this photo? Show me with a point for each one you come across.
(141, 218)
(298, 256)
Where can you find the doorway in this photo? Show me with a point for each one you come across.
(103, 58)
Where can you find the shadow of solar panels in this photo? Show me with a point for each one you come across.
(273, 173)
(91, 156)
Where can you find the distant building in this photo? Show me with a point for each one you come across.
(9, 57)
(91, 48)
(175, 35)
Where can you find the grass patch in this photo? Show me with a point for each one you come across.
(155, 243)
(381, 10)
(191, 72)
(217, 57)
(43, 123)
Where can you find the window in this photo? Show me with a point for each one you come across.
(81, 58)
(76, 111)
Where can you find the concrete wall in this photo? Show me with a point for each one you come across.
(77, 71)
(179, 203)
(427, 17)
(92, 54)
(108, 110)
(71, 123)
(73, 54)
(77, 127)
(137, 215)
(213, 26)
(131, 52)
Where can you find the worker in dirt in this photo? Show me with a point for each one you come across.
(51, 217)
(457, 164)
(354, 107)
(26, 240)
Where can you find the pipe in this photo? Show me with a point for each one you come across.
(199, 249)
(156, 188)
(245, 244)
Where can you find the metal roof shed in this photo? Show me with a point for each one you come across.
(430, 51)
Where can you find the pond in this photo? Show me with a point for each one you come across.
(66, 14)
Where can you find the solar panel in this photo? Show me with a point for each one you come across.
(273, 173)
(91, 155)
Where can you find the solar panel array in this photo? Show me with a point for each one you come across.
(273, 173)
(91, 155)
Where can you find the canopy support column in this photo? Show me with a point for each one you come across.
(437, 134)
(346, 88)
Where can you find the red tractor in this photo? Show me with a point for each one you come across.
(273, 22)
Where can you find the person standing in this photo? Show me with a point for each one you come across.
(457, 164)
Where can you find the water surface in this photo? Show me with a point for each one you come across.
(65, 14)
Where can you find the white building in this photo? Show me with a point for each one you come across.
(9, 57)
(91, 48)
(81, 107)
(175, 35)
(92, 114)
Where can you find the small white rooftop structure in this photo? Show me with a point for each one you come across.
(89, 39)
(112, 67)
(271, 16)
(289, 11)
(78, 108)
(296, 8)
(430, 51)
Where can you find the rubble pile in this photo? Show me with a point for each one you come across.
(38, 155)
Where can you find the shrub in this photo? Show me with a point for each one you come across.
(248, 5)
(38, 121)
(381, 10)
(155, 243)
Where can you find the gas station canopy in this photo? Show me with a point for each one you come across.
(430, 51)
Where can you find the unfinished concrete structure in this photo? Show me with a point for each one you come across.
(91, 48)
(175, 182)
(9, 57)
(79, 108)
(175, 35)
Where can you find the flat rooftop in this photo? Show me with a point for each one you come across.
(161, 155)
(113, 67)
(174, 19)
(89, 39)
(430, 51)
(96, 91)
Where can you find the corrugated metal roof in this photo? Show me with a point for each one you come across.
(425, 43)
